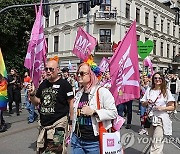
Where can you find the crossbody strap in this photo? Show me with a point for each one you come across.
(153, 104)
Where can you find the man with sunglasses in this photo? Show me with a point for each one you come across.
(55, 97)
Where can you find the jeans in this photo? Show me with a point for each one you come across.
(79, 146)
(120, 109)
(31, 109)
(142, 109)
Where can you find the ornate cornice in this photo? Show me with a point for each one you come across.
(79, 24)
(66, 27)
(138, 28)
(55, 30)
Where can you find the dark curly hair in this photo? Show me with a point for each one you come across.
(163, 86)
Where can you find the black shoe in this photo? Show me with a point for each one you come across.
(18, 114)
(10, 112)
(36, 117)
(128, 126)
(30, 122)
(3, 128)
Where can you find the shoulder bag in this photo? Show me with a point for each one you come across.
(146, 119)
(109, 142)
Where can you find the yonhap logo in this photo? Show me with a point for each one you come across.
(127, 140)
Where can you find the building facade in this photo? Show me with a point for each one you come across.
(109, 24)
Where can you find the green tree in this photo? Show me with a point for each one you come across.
(15, 29)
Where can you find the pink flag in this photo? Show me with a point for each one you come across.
(124, 69)
(148, 63)
(104, 65)
(36, 53)
(84, 44)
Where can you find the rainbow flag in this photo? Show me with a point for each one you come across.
(2, 66)
(3, 85)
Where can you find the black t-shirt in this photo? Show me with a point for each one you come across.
(53, 97)
(84, 128)
(173, 86)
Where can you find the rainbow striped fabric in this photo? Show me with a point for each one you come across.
(3, 85)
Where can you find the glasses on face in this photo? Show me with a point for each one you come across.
(82, 73)
(49, 68)
(157, 78)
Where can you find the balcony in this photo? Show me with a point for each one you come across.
(104, 49)
(105, 17)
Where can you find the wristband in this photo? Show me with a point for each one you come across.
(32, 95)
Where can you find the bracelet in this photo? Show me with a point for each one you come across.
(32, 95)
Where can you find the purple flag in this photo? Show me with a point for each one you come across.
(84, 44)
(36, 53)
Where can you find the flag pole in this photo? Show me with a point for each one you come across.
(33, 63)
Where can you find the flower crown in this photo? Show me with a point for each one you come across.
(93, 66)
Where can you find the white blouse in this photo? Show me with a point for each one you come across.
(161, 101)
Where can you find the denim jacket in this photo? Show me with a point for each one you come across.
(107, 112)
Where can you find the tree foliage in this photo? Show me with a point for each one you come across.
(15, 29)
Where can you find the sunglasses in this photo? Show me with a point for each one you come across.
(49, 68)
(82, 73)
(157, 78)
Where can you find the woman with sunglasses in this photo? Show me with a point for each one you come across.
(158, 100)
(85, 130)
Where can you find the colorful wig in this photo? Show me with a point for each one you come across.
(94, 67)
(93, 79)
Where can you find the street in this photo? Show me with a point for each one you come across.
(20, 138)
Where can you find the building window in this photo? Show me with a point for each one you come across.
(127, 11)
(154, 50)
(174, 51)
(174, 29)
(105, 35)
(56, 43)
(146, 38)
(161, 49)
(146, 19)
(167, 50)
(137, 15)
(47, 43)
(56, 17)
(80, 10)
(162, 22)
(47, 22)
(138, 37)
(179, 32)
(106, 5)
(155, 22)
(168, 28)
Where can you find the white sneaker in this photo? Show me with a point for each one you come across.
(142, 131)
(175, 111)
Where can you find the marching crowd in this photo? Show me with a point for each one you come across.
(68, 110)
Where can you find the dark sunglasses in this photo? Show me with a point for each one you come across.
(49, 68)
(81, 73)
(157, 78)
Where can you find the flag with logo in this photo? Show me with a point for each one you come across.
(124, 69)
(104, 65)
(84, 44)
(36, 53)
